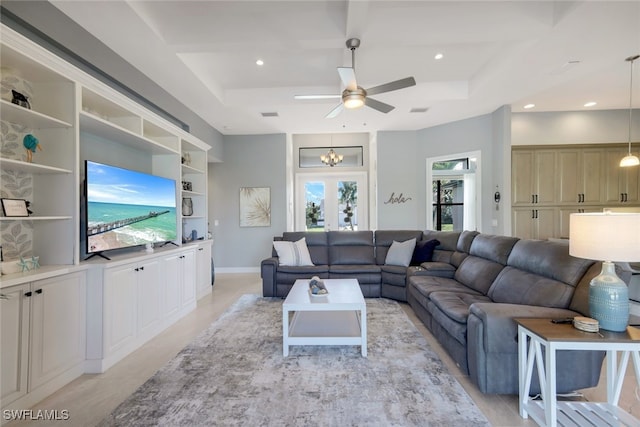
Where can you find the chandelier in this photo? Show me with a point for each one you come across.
(331, 158)
(630, 159)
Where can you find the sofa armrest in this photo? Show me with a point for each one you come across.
(268, 270)
(499, 328)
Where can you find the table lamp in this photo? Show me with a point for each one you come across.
(607, 237)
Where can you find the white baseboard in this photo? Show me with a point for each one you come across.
(223, 270)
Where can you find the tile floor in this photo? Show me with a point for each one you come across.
(91, 397)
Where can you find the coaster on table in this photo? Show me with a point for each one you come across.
(586, 324)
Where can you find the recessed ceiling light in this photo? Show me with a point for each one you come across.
(259, 62)
(590, 104)
(526, 107)
(438, 56)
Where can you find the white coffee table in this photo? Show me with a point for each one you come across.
(339, 318)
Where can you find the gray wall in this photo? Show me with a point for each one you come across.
(400, 172)
(402, 166)
(575, 127)
(250, 161)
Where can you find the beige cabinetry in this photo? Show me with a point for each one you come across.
(534, 223)
(532, 178)
(579, 176)
(582, 178)
(43, 337)
(622, 184)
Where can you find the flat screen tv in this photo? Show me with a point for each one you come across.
(125, 208)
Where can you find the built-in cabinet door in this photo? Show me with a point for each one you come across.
(534, 223)
(532, 177)
(203, 269)
(621, 184)
(579, 175)
(173, 282)
(150, 292)
(14, 340)
(120, 304)
(545, 183)
(188, 275)
(591, 173)
(58, 326)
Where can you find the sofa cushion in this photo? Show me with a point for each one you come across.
(426, 285)
(293, 253)
(317, 243)
(423, 251)
(493, 248)
(384, 239)
(351, 247)
(441, 269)
(549, 259)
(400, 253)
(448, 239)
(456, 304)
(456, 330)
(478, 273)
(514, 286)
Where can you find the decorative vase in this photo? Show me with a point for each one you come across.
(609, 299)
(187, 206)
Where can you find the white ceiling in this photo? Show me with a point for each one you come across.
(495, 53)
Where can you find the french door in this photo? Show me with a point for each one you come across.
(335, 201)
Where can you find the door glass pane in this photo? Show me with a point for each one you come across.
(314, 194)
(448, 204)
(347, 205)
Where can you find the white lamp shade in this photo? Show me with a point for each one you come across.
(605, 236)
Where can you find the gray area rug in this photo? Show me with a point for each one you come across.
(234, 374)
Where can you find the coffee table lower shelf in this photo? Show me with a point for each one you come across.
(324, 328)
(582, 413)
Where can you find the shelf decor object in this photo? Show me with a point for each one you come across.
(630, 159)
(14, 208)
(612, 237)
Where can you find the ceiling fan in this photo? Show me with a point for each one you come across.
(354, 96)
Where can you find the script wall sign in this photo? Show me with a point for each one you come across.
(400, 198)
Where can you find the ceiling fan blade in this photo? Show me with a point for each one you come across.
(377, 105)
(388, 87)
(316, 96)
(348, 77)
(337, 110)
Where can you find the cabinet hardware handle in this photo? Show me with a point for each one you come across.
(200, 249)
(136, 269)
(28, 294)
(533, 198)
(536, 213)
(625, 197)
(536, 198)
(39, 291)
(5, 296)
(142, 268)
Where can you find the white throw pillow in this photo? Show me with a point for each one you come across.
(293, 253)
(400, 253)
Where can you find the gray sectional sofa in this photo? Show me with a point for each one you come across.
(467, 295)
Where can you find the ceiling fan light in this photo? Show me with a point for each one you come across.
(629, 160)
(354, 100)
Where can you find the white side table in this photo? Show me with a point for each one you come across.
(554, 337)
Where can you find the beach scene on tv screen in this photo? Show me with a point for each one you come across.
(127, 208)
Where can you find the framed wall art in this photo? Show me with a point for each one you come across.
(255, 206)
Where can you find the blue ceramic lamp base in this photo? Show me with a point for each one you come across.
(609, 299)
